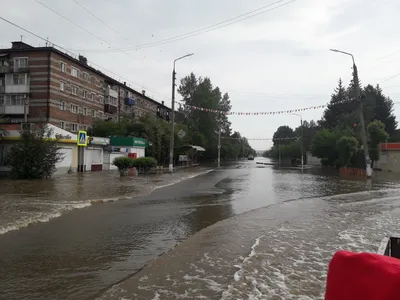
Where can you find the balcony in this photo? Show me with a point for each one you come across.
(13, 110)
(129, 101)
(111, 92)
(5, 69)
(17, 89)
(110, 109)
(24, 69)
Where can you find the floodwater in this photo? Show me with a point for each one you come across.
(277, 231)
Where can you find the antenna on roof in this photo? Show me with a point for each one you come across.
(21, 37)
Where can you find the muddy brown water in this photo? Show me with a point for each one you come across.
(280, 228)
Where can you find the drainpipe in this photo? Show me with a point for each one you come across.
(48, 86)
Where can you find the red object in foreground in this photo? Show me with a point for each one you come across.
(363, 276)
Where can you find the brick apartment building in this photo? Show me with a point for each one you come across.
(43, 83)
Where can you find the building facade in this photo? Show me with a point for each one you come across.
(45, 84)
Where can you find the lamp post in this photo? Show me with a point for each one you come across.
(301, 140)
(361, 112)
(171, 139)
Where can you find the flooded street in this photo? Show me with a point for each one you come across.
(278, 231)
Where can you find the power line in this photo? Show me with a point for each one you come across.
(100, 20)
(212, 27)
(87, 31)
(106, 24)
(74, 54)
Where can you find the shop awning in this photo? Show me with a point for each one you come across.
(197, 148)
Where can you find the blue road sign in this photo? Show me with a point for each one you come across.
(82, 138)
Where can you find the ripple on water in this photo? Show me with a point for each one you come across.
(255, 257)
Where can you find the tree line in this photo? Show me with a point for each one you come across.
(200, 128)
(335, 138)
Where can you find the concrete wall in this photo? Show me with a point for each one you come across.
(312, 160)
(389, 161)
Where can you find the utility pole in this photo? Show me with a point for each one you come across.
(172, 135)
(301, 140)
(219, 147)
(361, 114)
(26, 103)
(302, 144)
(279, 150)
(362, 122)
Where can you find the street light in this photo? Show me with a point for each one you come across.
(171, 139)
(301, 142)
(362, 122)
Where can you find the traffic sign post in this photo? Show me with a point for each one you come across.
(82, 141)
(82, 138)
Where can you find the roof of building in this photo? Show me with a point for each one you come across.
(19, 46)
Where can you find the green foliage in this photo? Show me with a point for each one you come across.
(204, 125)
(377, 135)
(201, 127)
(346, 147)
(123, 162)
(144, 163)
(289, 151)
(336, 139)
(325, 143)
(36, 155)
(283, 135)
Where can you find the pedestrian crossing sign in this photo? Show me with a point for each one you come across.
(82, 138)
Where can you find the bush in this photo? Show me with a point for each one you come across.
(35, 156)
(144, 163)
(123, 162)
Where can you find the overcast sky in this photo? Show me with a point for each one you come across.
(277, 60)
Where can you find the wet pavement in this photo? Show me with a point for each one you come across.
(279, 251)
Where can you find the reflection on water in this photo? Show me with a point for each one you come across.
(26, 202)
(83, 253)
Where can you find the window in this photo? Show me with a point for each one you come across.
(74, 108)
(74, 90)
(16, 100)
(100, 114)
(62, 124)
(19, 79)
(93, 80)
(84, 111)
(84, 94)
(1, 99)
(62, 85)
(74, 72)
(86, 76)
(74, 127)
(101, 99)
(92, 96)
(112, 100)
(63, 105)
(20, 62)
(63, 67)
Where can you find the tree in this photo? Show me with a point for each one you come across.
(346, 147)
(284, 135)
(288, 151)
(377, 135)
(36, 155)
(324, 145)
(381, 108)
(206, 123)
(309, 130)
(338, 109)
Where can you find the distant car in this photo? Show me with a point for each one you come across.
(250, 157)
